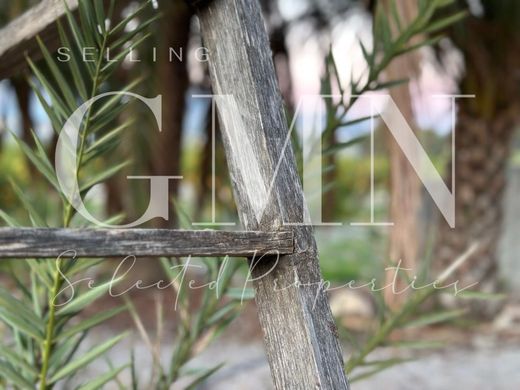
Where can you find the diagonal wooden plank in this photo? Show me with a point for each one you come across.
(51, 243)
(17, 39)
(300, 334)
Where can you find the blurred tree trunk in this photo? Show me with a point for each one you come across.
(117, 187)
(22, 88)
(282, 63)
(405, 189)
(277, 28)
(491, 48)
(22, 91)
(173, 83)
(329, 179)
(205, 171)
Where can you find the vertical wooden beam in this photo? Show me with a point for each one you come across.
(300, 334)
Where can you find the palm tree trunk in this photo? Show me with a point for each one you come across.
(482, 151)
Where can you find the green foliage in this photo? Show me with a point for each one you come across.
(199, 324)
(201, 319)
(11, 165)
(409, 315)
(45, 325)
(45, 329)
(391, 39)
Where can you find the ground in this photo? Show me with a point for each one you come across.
(485, 357)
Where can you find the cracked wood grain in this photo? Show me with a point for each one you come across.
(299, 331)
(51, 243)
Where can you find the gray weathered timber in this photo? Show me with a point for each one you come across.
(52, 243)
(300, 334)
(17, 39)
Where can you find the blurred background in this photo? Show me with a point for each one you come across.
(465, 89)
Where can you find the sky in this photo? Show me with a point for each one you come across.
(307, 65)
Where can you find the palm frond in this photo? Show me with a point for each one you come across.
(45, 331)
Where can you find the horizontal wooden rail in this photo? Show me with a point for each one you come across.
(17, 39)
(51, 243)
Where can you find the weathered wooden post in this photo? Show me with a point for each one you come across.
(300, 334)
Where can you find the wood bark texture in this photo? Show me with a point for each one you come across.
(299, 330)
(52, 243)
